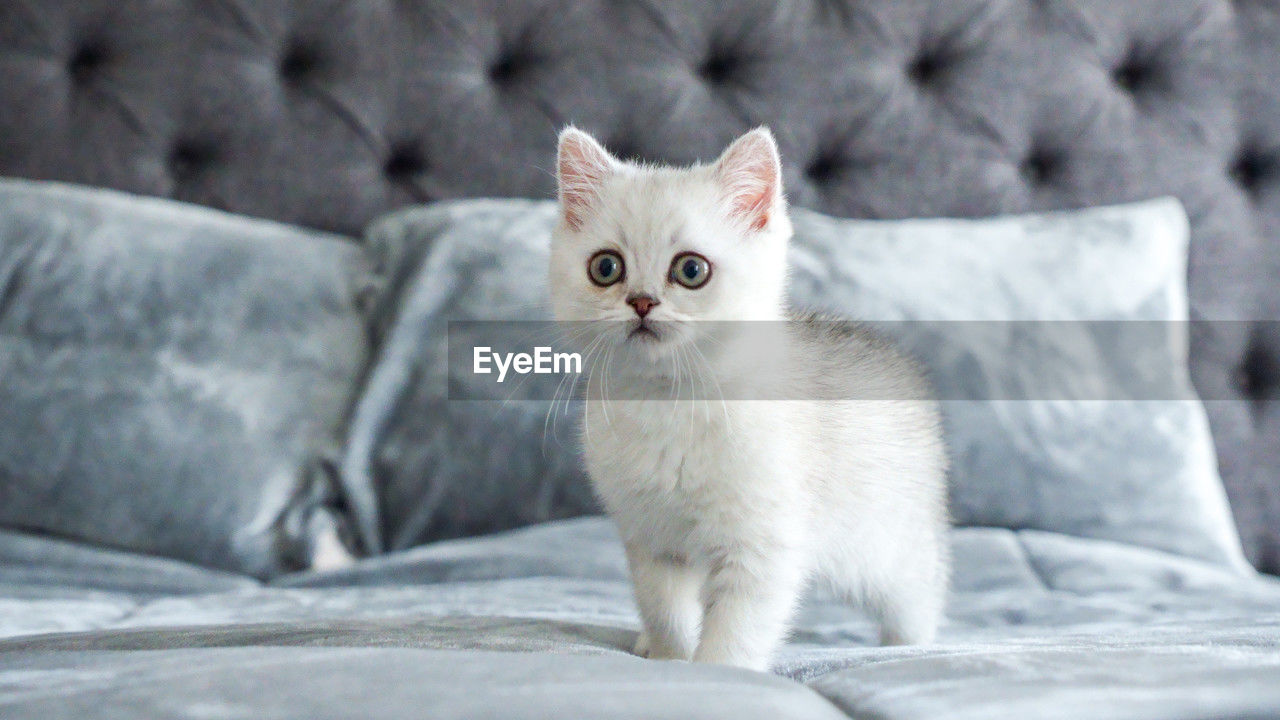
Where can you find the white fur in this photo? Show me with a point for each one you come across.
(729, 508)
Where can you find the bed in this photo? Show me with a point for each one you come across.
(326, 115)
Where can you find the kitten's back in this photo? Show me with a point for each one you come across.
(845, 360)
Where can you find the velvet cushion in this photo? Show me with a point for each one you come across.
(170, 376)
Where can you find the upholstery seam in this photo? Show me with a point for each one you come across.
(1030, 563)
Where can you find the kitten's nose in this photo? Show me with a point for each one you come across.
(642, 304)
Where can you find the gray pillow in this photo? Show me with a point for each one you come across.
(1139, 471)
(444, 468)
(170, 377)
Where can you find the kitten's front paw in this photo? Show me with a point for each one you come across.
(759, 663)
(646, 648)
(642, 644)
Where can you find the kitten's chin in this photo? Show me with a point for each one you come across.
(643, 334)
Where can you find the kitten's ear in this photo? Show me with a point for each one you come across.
(750, 177)
(582, 166)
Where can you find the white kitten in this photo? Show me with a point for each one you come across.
(727, 514)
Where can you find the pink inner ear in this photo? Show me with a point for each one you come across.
(581, 168)
(754, 205)
(749, 173)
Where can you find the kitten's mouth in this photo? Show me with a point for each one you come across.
(643, 331)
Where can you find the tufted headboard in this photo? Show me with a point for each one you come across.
(329, 112)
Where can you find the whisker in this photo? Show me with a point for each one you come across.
(716, 381)
(608, 367)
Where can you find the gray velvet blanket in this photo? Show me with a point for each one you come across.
(536, 624)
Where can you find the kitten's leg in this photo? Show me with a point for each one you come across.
(907, 615)
(909, 603)
(667, 593)
(749, 603)
(906, 594)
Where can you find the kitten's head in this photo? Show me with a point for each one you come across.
(655, 250)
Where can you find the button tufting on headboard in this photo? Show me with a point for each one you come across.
(1041, 166)
(405, 160)
(298, 62)
(189, 158)
(507, 67)
(1135, 74)
(925, 68)
(86, 61)
(825, 168)
(718, 67)
(625, 147)
(1252, 169)
(328, 114)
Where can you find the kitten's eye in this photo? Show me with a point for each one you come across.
(690, 270)
(605, 268)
